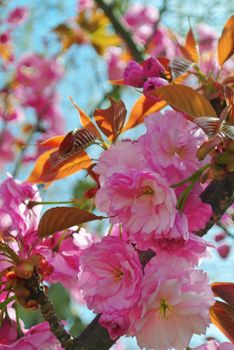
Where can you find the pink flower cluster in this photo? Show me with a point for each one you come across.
(168, 302)
(38, 337)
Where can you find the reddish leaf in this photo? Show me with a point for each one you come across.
(53, 141)
(210, 125)
(49, 167)
(186, 100)
(143, 107)
(111, 120)
(226, 42)
(222, 316)
(208, 146)
(191, 46)
(224, 290)
(75, 141)
(62, 218)
(67, 143)
(179, 66)
(85, 120)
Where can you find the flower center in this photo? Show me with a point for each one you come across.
(165, 309)
(118, 274)
(145, 190)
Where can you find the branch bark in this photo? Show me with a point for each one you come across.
(120, 27)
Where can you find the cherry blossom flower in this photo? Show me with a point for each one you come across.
(171, 142)
(110, 276)
(214, 345)
(142, 201)
(174, 305)
(14, 197)
(38, 337)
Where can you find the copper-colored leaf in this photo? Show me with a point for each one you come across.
(179, 66)
(85, 120)
(191, 46)
(53, 141)
(50, 167)
(186, 100)
(143, 107)
(62, 218)
(222, 316)
(75, 141)
(228, 131)
(210, 125)
(224, 290)
(226, 42)
(208, 146)
(111, 120)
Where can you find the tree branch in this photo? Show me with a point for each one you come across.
(47, 310)
(118, 24)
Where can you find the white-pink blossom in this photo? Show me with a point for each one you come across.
(174, 305)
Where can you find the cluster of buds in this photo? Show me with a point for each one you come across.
(23, 276)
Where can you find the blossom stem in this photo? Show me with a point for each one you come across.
(195, 175)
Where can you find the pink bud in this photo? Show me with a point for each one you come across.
(152, 84)
(133, 74)
(152, 67)
(224, 250)
(220, 237)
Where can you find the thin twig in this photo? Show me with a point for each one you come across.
(120, 27)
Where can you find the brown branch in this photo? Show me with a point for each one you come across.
(120, 27)
(47, 310)
(220, 195)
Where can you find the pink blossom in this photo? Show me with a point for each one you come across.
(119, 158)
(84, 5)
(37, 73)
(8, 331)
(117, 325)
(18, 15)
(134, 74)
(162, 44)
(152, 84)
(141, 20)
(175, 236)
(214, 345)
(14, 197)
(152, 67)
(174, 305)
(62, 252)
(207, 37)
(197, 212)
(192, 249)
(110, 276)
(7, 153)
(38, 337)
(142, 201)
(171, 142)
(114, 62)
